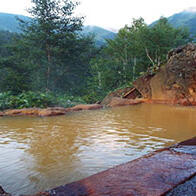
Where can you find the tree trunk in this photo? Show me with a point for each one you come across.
(147, 54)
(134, 66)
(99, 79)
(48, 68)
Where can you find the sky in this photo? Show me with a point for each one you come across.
(112, 14)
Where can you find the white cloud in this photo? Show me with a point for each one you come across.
(15, 6)
(117, 13)
(112, 13)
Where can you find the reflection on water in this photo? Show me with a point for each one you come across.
(40, 153)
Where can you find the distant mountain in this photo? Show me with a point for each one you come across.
(186, 18)
(100, 34)
(8, 22)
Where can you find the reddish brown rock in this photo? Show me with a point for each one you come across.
(40, 194)
(85, 107)
(35, 112)
(116, 101)
(121, 96)
(25, 111)
(52, 111)
(132, 94)
(118, 93)
(175, 82)
(152, 175)
(143, 86)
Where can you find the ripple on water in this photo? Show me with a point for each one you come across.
(40, 153)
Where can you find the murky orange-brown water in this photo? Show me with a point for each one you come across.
(37, 154)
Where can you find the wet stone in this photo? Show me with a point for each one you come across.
(170, 171)
(186, 189)
(152, 175)
(185, 149)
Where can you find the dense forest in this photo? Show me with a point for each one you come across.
(51, 63)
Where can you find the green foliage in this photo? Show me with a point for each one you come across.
(68, 100)
(136, 48)
(50, 54)
(53, 56)
(6, 38)
(25, 100)
(94, 95)
(4, 100)
(52, 31)
(31, 99)
(162, 37)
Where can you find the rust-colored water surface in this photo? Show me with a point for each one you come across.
(37, 154)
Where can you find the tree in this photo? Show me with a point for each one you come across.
(127, 49)
(50, 54)
(52, 27)
(162, 37)
(136, 49)
(14, 76)
(122, 59)
(6, 38)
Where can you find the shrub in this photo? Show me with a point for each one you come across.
(26, 100)
(36, 99)
(68, 101)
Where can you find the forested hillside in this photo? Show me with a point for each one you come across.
(9, 22)
(100, 34)
(186, 18)
(53, 63)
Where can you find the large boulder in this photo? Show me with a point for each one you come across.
(56, 111)
(175, 82)
(117, 93)
(2, 114)
(117, 101)
(121, 97)
(84, 107)
(25, 111)
(52, 111)
(143, 86)
(35, 112)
